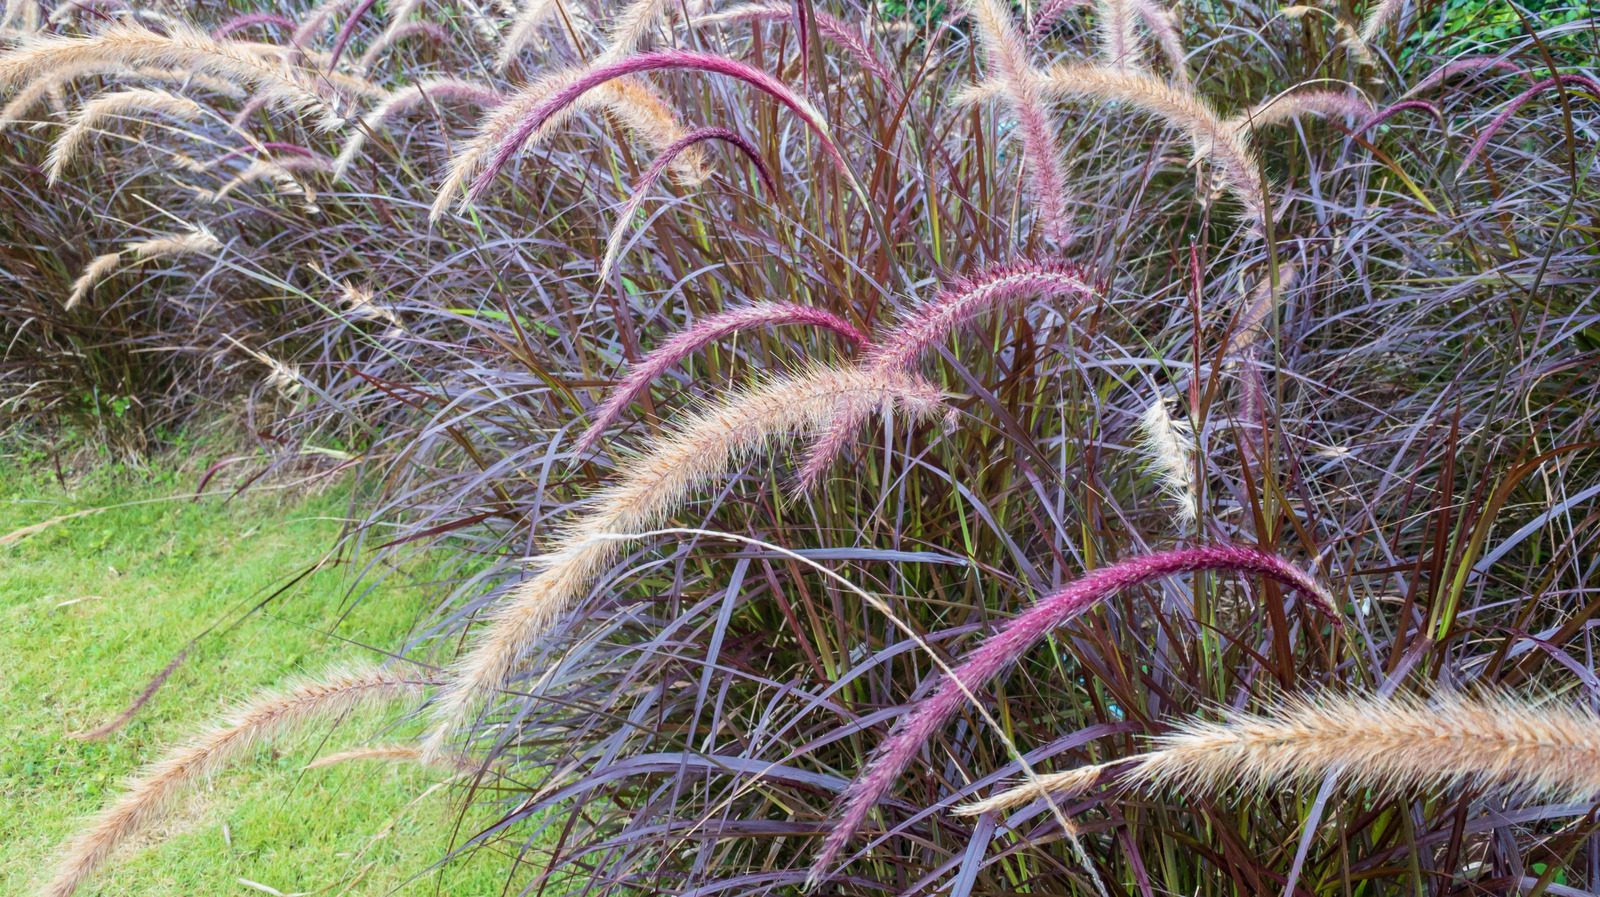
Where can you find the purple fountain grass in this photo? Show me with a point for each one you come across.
(347, 31)
(1467, 65)
(659, 167)
(239, 23)
(391, 36)
(931, 322)
(1163, 27)
(1015, 638)
(828, 25)
(715, 327)
(1385, 114)
(1007, 57)
(429, 90)
(1518, 102)
(663, 60)
(1049, 14)
(1294, 103)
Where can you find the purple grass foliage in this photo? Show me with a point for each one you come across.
(688, 341)
(933, 321)
(1518, 102)
(1015, 638)
(661, 60)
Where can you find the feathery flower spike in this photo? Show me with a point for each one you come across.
(1171, 453)
(1516, 103)
(706, 330)
(1388, 745)
(933, 321)
(407, 98)
(1014, 639)
(113, 105)
(149, 794)
(560, 99)
(647, 490)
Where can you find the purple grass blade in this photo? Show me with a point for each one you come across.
(931, 322)
(712, 328)
(239, 23)
(1517, 103)
(1050, 13)
(1399, 107)
(647, 62)
(1016, 638)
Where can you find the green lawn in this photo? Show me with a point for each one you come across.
(91, 608)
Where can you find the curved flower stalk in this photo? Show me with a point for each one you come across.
(560, 100)
(657, 168)
(134, 46)
(1049, 14)
(118, 104)
(198, 240)
(391, 36)
(828, 25)
(1293, 104)
(1384, 115)
(635, 105)
(1228, 149)
(707, 330)
(1518, 102)
(1014, 639)
(1381, 13)
(647, 490)
(933, 321)
(1387, 745)
(1467, 65)
(149, 795)
(1006, 57)
(406, 99)
(250, 20)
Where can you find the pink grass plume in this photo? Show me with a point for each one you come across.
(715, 327)
(239, 23)
(661, 60)
(1397, 108)
(1015, 639)
(659, 167)
(1467, 65)
(1518, 102)
(933, 321)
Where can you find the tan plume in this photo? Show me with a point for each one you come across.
(1387, 745)
(198, 240)
(122, 103)
(184, 48)
(648, 489)
(158, 785)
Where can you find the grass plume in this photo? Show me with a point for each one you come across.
(1014, 639)
(122, 103)
(199, 240)
(149, 795)
(411, 96)
(1389, 745)
(648, 489)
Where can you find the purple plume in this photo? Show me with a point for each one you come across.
(831, 27)
(1399, 107)
(647, 62)
(239, 23)
(1014, 640)
(931, 322)
(657, 168)
(1517, 103)
(1466, 65)
(347, 31)
(712, 328)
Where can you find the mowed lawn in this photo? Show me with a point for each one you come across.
(92, 607)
